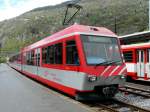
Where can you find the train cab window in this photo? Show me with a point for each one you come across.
(128, 56)
(72, 53)
(100, 49)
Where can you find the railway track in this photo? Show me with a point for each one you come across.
(115, 105)
(137, 89)
(125, 104)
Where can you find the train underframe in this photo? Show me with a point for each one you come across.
(99, 93)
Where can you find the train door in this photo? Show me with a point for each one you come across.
(37, 59)
(140, 63)
(148, 63)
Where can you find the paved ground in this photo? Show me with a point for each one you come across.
(20, 94)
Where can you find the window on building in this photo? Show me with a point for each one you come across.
(72, 53)
(128, 56)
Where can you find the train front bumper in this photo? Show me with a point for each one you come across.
(93, 82)
(102, 87)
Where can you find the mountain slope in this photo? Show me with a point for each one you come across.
(129, 15)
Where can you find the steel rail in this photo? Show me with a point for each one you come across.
(137, 91)
(114, 106)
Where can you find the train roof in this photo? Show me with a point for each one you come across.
(135, 38)
(136, 46)
(136, 34)
(70, 31)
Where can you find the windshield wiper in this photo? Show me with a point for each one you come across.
(106, 63)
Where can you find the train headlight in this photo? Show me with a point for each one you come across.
(92, 78)
(122, 77)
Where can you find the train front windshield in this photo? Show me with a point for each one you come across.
(101, 50)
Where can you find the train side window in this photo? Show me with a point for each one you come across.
(148, 55)
(27, 58)
(128, 56)
(24, 58)
(48, 55)
(30, 58)
(37, 57)
(44, 51)
(72, 53)
(137, 55)
(52, 54)
(142, 56)
(58, 53)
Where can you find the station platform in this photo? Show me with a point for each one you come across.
(21, 94)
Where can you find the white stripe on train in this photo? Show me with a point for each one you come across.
(114, 70)
(122, 70)
(105, 70)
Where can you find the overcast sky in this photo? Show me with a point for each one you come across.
(12, 8)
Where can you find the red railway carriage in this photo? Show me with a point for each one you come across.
(82, 61)
(137, 58)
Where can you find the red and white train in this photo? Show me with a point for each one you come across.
(82, 61)
(137, 58)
